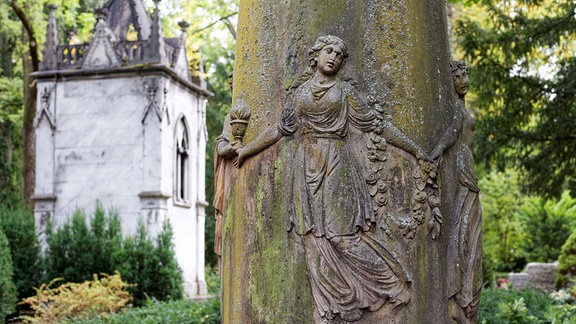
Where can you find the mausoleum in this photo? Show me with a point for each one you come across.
(121, 122)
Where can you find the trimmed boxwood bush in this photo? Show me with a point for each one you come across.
(18, 226)
(152, 267)
(7, 287)
(76, 251)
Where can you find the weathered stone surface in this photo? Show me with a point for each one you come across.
(518, 280)
(537, 275)
(396, 88)
(542, 275)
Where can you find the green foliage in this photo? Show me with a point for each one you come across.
(154, 312)
(90, 299)
(515, 312)
(73, 253)
(519, 228)
(18, 225)
(499, 306)
(76, 251)
(7, 287)
(567, 262)
(152, 267)
(502, 229)
(10, 140)
(524, 82)
(212, 280)
(547, 224)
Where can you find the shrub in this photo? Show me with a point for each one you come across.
(89, 299)
(7, 287)
(567, 262)
(524, 306)
(212, 280)
(547, 223)
(502, 229)
(152, 267)
(181, 311)
(77, 251)
(18, 225)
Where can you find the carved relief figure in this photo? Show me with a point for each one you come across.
(223, 151)
(331, 209)
(465, 248)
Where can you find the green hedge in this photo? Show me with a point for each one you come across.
(76, 251)
(7, 287)
(18, 225)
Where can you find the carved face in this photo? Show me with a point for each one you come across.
(461, 82)
(330, 59)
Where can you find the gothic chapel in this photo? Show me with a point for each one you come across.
(122, 122)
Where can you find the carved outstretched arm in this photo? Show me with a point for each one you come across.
(449, 138)
(222, 145)
(266, 139)
(224, 149)
(394, 136)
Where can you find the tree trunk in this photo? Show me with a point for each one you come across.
(399, 63)
(30, 63)
(28, 134)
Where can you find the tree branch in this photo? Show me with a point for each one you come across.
(222, 19)
(32, 43)
(231, 28)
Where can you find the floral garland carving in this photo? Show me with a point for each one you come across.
(425, 197)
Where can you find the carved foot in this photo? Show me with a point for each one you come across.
(402, 298)
(462, 314)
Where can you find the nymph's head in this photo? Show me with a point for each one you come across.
(328, 54)
(460, 76)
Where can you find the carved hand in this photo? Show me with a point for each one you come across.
(436, 152)
(240, 159)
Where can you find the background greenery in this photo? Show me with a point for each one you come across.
(77, 251)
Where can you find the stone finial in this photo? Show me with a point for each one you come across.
(50, 53)
(155, 48)
(183, 25)
(101, 13)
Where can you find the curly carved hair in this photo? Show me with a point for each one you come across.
(322, 42)
(459, 65)
(313, 52)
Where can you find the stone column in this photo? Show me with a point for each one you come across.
(398, 66)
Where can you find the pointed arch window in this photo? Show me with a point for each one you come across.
(182, 190)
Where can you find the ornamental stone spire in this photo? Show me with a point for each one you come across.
(49, 55)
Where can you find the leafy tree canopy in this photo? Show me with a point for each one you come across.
(524, 78)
